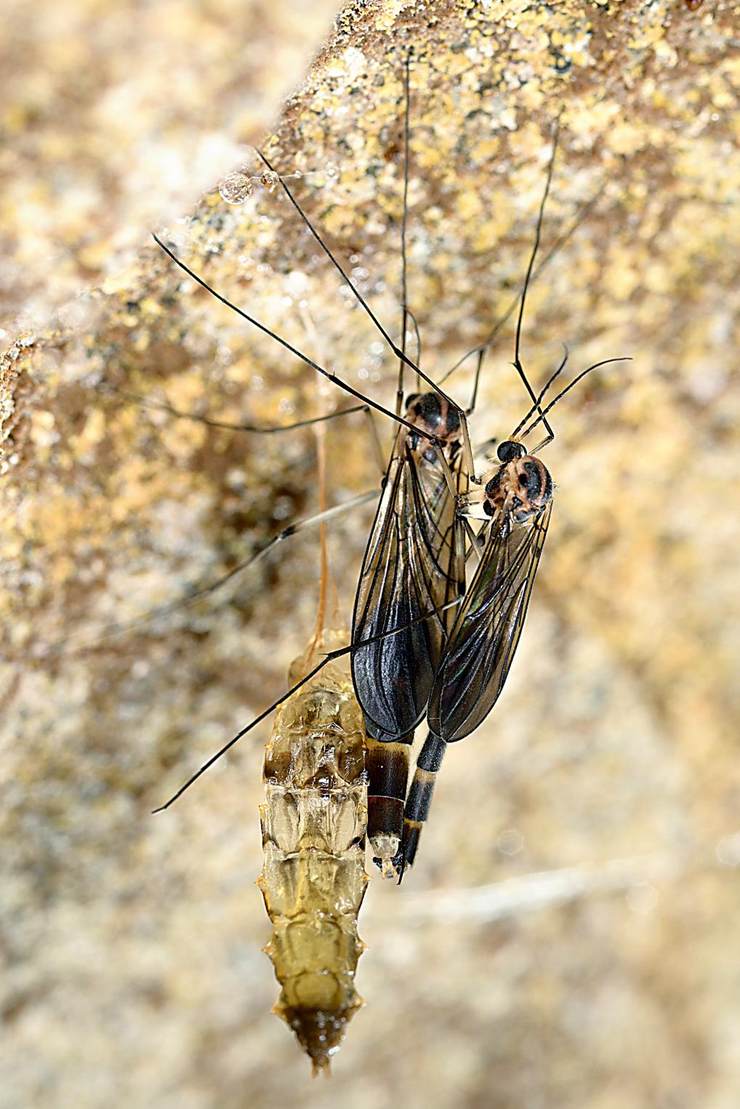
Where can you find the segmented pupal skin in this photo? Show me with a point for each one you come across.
(314, 823)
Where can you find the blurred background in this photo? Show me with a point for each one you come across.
(568, 935)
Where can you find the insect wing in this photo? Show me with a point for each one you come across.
(487, 629)
(414, 563)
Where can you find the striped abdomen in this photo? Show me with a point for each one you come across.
(314, 822)
(419, 800)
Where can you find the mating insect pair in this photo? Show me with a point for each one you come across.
(450, 668)
(426, 642)
(433, 636)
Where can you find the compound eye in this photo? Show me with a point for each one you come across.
(493, 485)
(453, 422)
(509, 450)
(411, 400)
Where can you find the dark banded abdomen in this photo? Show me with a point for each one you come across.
(387, 767)
(419, 800)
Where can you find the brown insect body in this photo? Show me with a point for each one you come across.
(314, 823)
(414, 563)
(519, 489)
(434, 415)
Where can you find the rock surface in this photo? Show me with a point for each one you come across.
(568, 935)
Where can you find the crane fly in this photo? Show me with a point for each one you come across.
(413, 574)
(416, 495)
(514, 503)
(414, 562)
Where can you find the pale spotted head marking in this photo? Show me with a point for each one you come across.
(520, 488)
(433, 414)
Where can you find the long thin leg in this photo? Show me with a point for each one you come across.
(207, 588)
(320, 435)
(596, 365)
(417, 336)
(532, 275)
(397, 350)
(253, 724)
(522, 301)
(293, 689)
(377, 445)
(474, 540)
(528, 276)
(211, 421)
(404, 214)
(476, 381)
(289, 346)
(504, 318)
(360, 299)
(521, 297)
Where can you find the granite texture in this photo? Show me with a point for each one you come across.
(569, 934)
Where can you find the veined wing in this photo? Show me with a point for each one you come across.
(486, 631)
(414, 563)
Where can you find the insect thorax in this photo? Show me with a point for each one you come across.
(434, 415)
(519, 489)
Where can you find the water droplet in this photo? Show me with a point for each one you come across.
(297, 282)
(510, 841)
(269, 179)
(235, 188)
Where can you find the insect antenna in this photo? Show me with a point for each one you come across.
(506, 315)
(330, 375)
(540, 396)
(398, 351)
(339, 653)
(542, 416)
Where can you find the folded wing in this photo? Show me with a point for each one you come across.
(486, 630)
(414, 564)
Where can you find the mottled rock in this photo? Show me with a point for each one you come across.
(136, 975)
